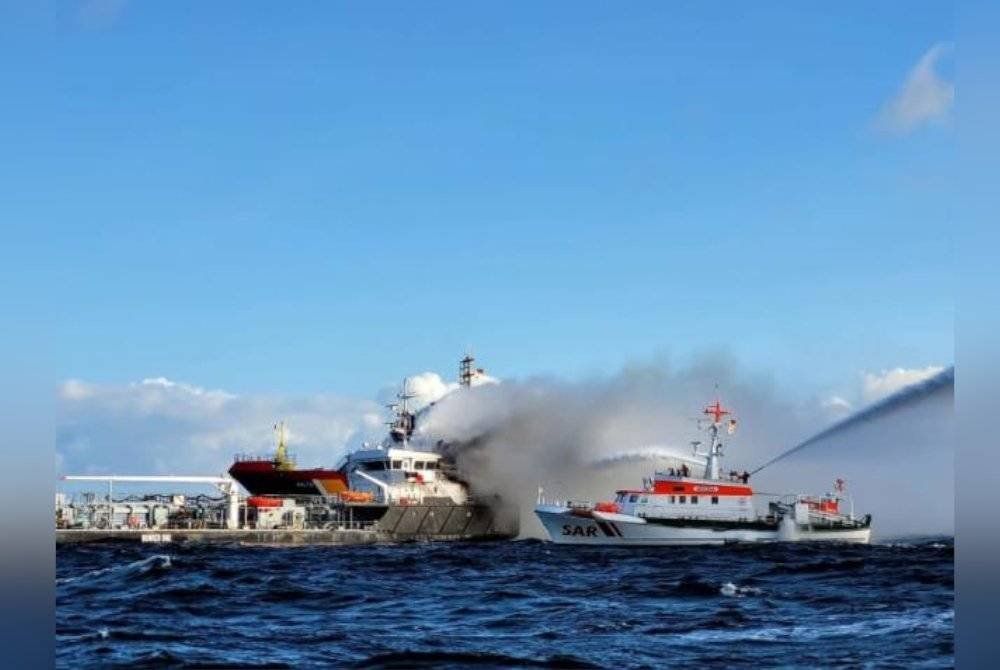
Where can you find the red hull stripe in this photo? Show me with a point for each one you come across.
(689, 488)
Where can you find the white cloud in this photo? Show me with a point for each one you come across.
(878, 385)
(924, 97)
(837, 404)
(162, 426)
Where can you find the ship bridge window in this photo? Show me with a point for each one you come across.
(633, 498)
(715, 500)
(694, 500)
(375, 465)
(432, 465)
(397, 465)
(418, 465)
(683, 499)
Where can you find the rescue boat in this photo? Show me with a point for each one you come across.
(675, 508)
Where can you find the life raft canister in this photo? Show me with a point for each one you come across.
(609, 507)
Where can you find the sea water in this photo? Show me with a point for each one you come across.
(508, 604)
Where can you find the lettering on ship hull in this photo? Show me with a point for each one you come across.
(579, 531)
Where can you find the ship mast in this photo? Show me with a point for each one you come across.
(402, 427)
(281, 455)
(713, 461)
(465, 370)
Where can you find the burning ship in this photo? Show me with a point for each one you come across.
(406, 491)
(675, 508)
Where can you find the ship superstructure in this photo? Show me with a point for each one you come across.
(677, 506)
(393, 482)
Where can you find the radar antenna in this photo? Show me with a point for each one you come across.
(401, 428)
(465, 370)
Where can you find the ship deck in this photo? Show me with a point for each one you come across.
(249, 537)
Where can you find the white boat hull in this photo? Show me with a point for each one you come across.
(564, 526)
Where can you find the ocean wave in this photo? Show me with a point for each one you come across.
(736, 591)
(466, 659)
(523, 604)
(875, 627)
(145, 565)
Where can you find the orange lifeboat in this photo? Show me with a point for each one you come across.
(263, 501)
(357, 496)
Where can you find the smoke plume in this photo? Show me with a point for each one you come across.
(583, 440)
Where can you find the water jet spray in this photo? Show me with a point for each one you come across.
(914, 392)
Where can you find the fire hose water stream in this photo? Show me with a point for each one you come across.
(943, 381)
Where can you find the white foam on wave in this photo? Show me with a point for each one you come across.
(735, 591)
(865, 628)
(156, 560)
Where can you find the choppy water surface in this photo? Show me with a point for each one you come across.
(521, 604)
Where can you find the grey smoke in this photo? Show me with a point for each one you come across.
(584, 439)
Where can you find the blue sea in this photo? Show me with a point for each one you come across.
(526, 604)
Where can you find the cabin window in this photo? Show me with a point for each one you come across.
(633, 498)
(397, 465)
(431, 465)
(694, 500)
(644, 500)
(375, 465)
(715, 500)
(673, 500)
(683, 499)
(418, 465)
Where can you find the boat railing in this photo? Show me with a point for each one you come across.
(253, 458)
(261, 458)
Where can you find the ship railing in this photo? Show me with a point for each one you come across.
(254, 458)
(352, 525)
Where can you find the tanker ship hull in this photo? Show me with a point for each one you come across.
(265, 478)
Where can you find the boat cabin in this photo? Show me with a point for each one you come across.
(400, 475)
(675, 496)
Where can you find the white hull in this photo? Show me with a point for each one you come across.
(565, 527)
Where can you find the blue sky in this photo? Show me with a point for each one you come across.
(266, 200)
